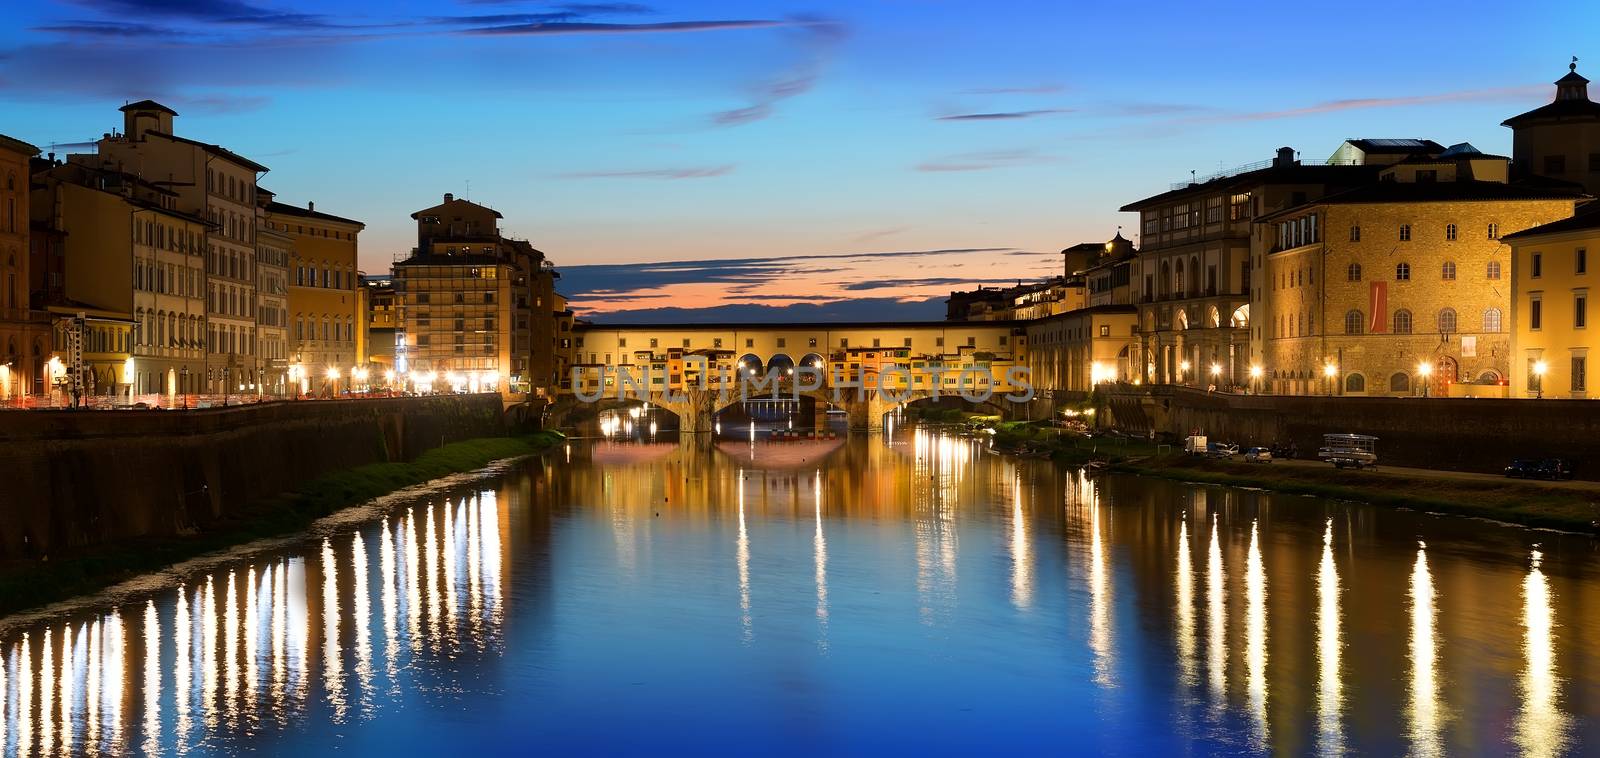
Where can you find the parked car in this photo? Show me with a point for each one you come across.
(1258, 455)
(1222, 450)
(1523, 468)
(1555, 468)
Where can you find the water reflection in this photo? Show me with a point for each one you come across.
(1541, 728)
(1136, 616)
(1424, 712)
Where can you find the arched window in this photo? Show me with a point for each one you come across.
(1402, 272)
(1491, 320)
(1355, 383)
(1447, 321)
(1494, 231)
(1177, 278)
(1400, 382)
(1402, 321)
(1354, 272)
(1450, 231)
(1493, 271)
(1449, 271)
(1352, 322)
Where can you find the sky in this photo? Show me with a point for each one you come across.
(692, 160)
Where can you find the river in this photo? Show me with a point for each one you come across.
(909, 593)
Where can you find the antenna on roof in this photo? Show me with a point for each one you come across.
(1573, 66)
(468, 196)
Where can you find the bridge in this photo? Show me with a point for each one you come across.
(695, 371)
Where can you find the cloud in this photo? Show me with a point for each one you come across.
(589, 27)
(858, 309)
(699, 172)
(936, 281)
(1039, 89)
(984, 161)
(734, 274)
(208, 11)
(1003, 115)
(1496, 94)
(107, 29)
(816, 39)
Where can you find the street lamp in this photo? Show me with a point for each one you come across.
(1424, 370)
(1255, 376)
(1539, 367)
(1183, 369)
(1331, 372)
(333, 381)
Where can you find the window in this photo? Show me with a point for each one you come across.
(1405, 232)
(1352, 322)
(622, 342)
(1402, 321)
(812, 342)
(1105, 330)
(1450, 232)
(1580, 261)
(1355, 383)
(749, 342)
(1580, 310)
(1536, 265)
(1402, 272)
(1449, 271)
(1400, 382)
(1580, 370)
(1494, 231)
(1447, 321)
(1493, 271)
(1535, 313)
(1555, 165)
(1355, 233)
(1353, 273)
(1491, 320)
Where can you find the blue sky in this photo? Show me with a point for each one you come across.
(614, 133)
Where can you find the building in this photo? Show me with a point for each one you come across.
(1109, 280)
(325, 296)
(1076, 350)
(1399, 287)
(1551, 340)
(1192, 278)
(1559, 140)
(216, 184)
(24, 336)
(476, 309)
(380, 321)
(131, 307)
(274, 251)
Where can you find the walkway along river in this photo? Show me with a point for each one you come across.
(907, 592)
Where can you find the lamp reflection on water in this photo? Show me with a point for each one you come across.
(1255, 624)
(1424, 711)
(1330, 683)
(1216, 620)
(1021, 550)
(1185, 607)
(1541, 728)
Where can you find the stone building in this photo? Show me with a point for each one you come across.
(1076, 350)
(1399, 287)
(324, 303)
(1560, 140)
(274, 249)
(24, 336)
(1192, 278)
(1551, 341)
(218, 185)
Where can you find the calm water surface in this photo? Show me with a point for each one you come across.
(908, 593)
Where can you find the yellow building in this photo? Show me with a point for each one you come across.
(1550, 335)
(380, 321)
(1560, 140)
(24, 338)
(136, 265)
(1075, 351)
(1400, 287)
(1193, 276)
(324, 305)
(214, 183)
(274, 250)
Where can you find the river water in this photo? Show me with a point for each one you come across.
(910, 593)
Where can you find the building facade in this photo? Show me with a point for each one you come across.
(1551, 341)
(1402, 287)
(1075, 351)
(380, 321)
(274, 249)
(218, 185)
(324, 303)
(24, 339)
(1560, 141)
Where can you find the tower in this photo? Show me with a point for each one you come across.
(1560, 140)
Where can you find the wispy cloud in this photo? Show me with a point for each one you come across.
(698, 172)
(984, 161)
(1037, 89)
(1003, 115)
(816, 39)
(1495, 94)
(592, 27)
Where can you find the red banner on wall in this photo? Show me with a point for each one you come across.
(1379, 308)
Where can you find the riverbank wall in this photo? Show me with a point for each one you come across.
(76, 480)
(1456, 434)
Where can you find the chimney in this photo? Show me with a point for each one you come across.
(1285, 157)
(311, 206)
(448, 197)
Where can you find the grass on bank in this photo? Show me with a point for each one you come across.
(36, 584)
(1512, 501)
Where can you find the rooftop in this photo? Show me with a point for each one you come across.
(1587, 218)
(285, 209)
